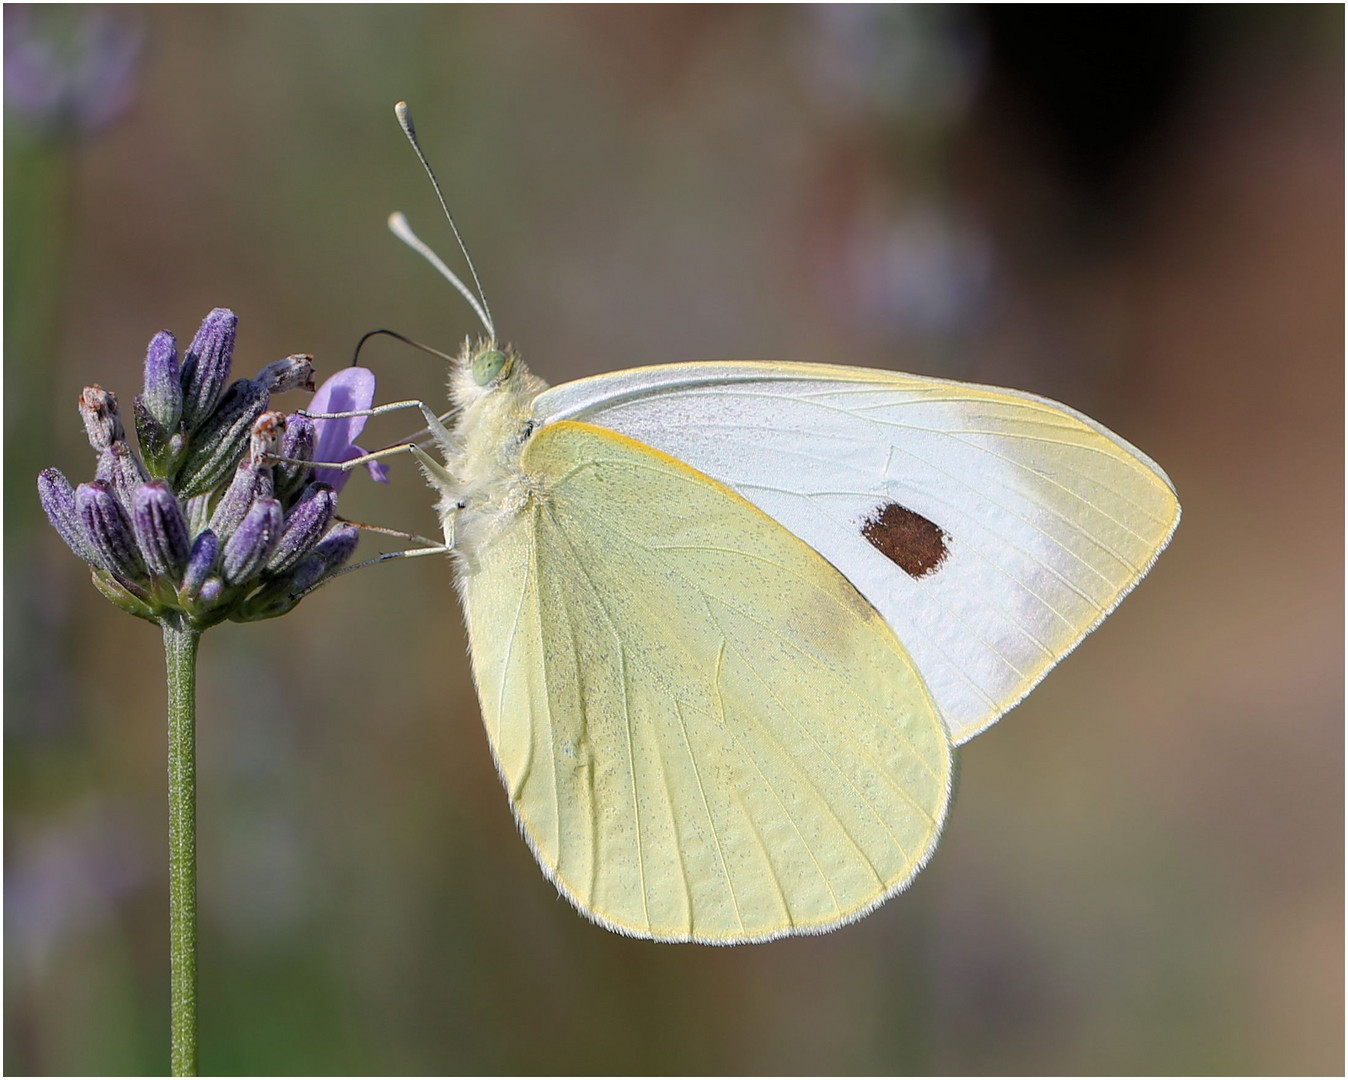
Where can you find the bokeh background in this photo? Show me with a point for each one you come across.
(1138, 211)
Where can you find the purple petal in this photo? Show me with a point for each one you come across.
(350, 389)
(378, 470)
(335, 478)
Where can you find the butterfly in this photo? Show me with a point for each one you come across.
(729, 621)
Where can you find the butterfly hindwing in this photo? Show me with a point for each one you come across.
(706, 732)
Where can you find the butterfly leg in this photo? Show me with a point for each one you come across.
(410, 553)
(436, 472)
(398, 533)
(434, 424)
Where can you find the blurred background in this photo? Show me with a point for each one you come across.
(1137, 211)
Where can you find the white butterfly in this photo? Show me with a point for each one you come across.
(729, 620)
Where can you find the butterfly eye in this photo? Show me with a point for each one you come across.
(487, 365)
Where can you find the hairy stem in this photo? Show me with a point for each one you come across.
(180, 653)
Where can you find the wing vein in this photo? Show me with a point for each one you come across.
(711, 821)
(627, 717)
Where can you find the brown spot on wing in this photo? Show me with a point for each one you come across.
(907, 539)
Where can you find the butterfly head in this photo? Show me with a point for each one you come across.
(486, 369)
(491, 365)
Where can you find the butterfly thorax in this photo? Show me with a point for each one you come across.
(494, 393)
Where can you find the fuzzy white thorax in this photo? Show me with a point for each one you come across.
(483, 452)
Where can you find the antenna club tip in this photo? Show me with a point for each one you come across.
(397, 220)
(404, 115)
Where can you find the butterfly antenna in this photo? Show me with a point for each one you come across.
(398, 224)
(355, 356)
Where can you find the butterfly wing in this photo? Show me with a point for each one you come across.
(992, 529)
(706, 733)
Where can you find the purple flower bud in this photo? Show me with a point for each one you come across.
(163, 396)
(223, 440)
(201, 561)
(119, 466)
(210, 592)
(295, 372)
(253, 478)
(338, 546)
(306, 574)
(58, 500)
(298, 445)
(109, 529)
(306, 523)
(281, 594)
(205, 369)
(250, 483)
(160, 529)
(247, 551)
(98, 408)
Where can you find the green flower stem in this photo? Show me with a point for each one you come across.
(180, 653)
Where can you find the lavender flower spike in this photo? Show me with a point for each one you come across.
(163, 397)
(219, 515)
(350, 390)
(161, 529)
(206, 367)
(248, 550)
(58, 501)
(109, 530)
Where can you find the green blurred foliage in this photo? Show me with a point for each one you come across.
(1144, 870)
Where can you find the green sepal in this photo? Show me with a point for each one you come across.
(120, 595)
(156, 443)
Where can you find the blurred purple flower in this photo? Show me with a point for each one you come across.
(69, 69)
(919, 65)
(914, 271)
(350, 390)
(69, 876)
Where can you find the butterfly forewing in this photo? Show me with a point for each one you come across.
(993, 530)
(706, 732)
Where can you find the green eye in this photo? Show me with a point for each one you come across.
(487, 365)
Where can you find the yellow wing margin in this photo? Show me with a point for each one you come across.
(707, 734)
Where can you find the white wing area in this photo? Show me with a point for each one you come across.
(1049, 519)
